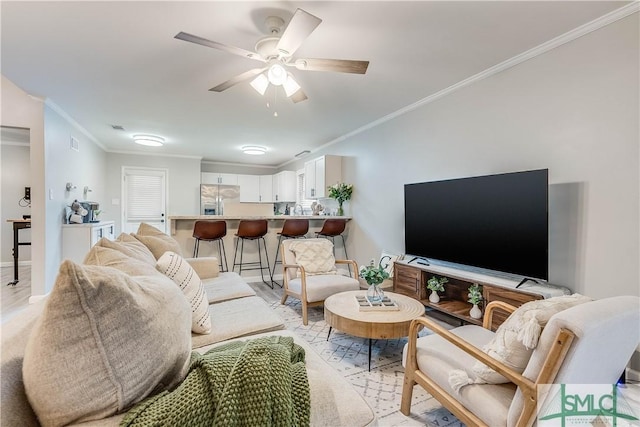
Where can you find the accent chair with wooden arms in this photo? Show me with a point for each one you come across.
(310, 272)
(589, 343)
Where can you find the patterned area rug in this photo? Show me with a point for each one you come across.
(382, 387)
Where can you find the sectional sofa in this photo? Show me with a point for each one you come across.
(126, 342)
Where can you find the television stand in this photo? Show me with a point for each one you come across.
(411, 279)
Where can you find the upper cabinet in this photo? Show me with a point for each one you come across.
(321, 173)
(256, 188)
(284, 186)
(219, 178)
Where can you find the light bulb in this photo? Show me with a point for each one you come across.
(277, 74)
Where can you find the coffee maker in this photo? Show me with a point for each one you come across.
(91, 208)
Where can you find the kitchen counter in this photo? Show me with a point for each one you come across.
(181, 227)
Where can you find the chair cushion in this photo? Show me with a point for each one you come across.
(129, 246)
(157, 241)
(237, 318)
(177, 269)
(321, 287)
(314, 255)
(104, 341)
(516, 338)
(436, 357)
(226, 286)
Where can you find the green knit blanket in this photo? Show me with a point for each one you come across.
(259, 382)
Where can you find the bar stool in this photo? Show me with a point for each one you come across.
(291, 229)
(252, 229)
(332, 228)
(211, 231)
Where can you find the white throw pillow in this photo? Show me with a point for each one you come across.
(104, 341)
(515, 340)
(314, 255)
(178, 269)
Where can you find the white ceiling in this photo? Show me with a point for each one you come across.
(118, 63)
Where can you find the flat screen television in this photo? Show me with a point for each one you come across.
(496, 222)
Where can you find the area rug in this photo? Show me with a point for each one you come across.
(382, 387)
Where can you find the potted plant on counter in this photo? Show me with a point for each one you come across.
(341, 192)
(436, 285)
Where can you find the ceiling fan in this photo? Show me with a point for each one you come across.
(276, 51)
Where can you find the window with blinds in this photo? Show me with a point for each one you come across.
(300, 200)
(144, 198)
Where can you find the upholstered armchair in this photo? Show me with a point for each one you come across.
(588, 343)
(311, 272)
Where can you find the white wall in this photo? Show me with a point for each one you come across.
(573, 110)
(21, 110)
(183, 194)
(15, 166)
(85, 167)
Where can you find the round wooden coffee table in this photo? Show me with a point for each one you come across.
(341, 311)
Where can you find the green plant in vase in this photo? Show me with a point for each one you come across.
(436, 285)
(341, 192)
(475, 298)
(374, 276)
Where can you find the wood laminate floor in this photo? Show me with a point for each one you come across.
(14, 298)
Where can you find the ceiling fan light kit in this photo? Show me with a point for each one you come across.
(254, 150)
(276, 50)
(149, 140)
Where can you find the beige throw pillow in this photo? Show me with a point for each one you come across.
(129, 246)
(104, 342)
(177, 269)
(314, 255)
(106, 257)
(515, 340)
(157, 241)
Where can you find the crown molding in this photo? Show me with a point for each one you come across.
(567, 37)
(245, 165)
(137, 153)
(55, 107)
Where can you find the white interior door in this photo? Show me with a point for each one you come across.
(144, 192)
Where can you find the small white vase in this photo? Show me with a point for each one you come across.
(434, 297)
(475, 312)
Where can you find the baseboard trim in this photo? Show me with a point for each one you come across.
(10, 263)
(35, 298)
(632, 375)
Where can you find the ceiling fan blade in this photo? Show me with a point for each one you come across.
(237, 79)
(230, 49)
(337, 65)
(299, 96)
(300, 27)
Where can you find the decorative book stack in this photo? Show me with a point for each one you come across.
(367, 304)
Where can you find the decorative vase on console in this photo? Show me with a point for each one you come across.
(436, 285)
(374, 276)
(475, 298)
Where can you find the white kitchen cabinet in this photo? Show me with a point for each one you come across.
(219, 178)
(266, 189)
(78, 239)
(284, 186)
(321, 173)
(249, 188)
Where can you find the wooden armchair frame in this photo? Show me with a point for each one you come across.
(413, 375)
(302, 296)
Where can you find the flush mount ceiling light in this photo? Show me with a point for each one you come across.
(254, 150)
(149, 140)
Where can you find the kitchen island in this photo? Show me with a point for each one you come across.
(181, 229)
